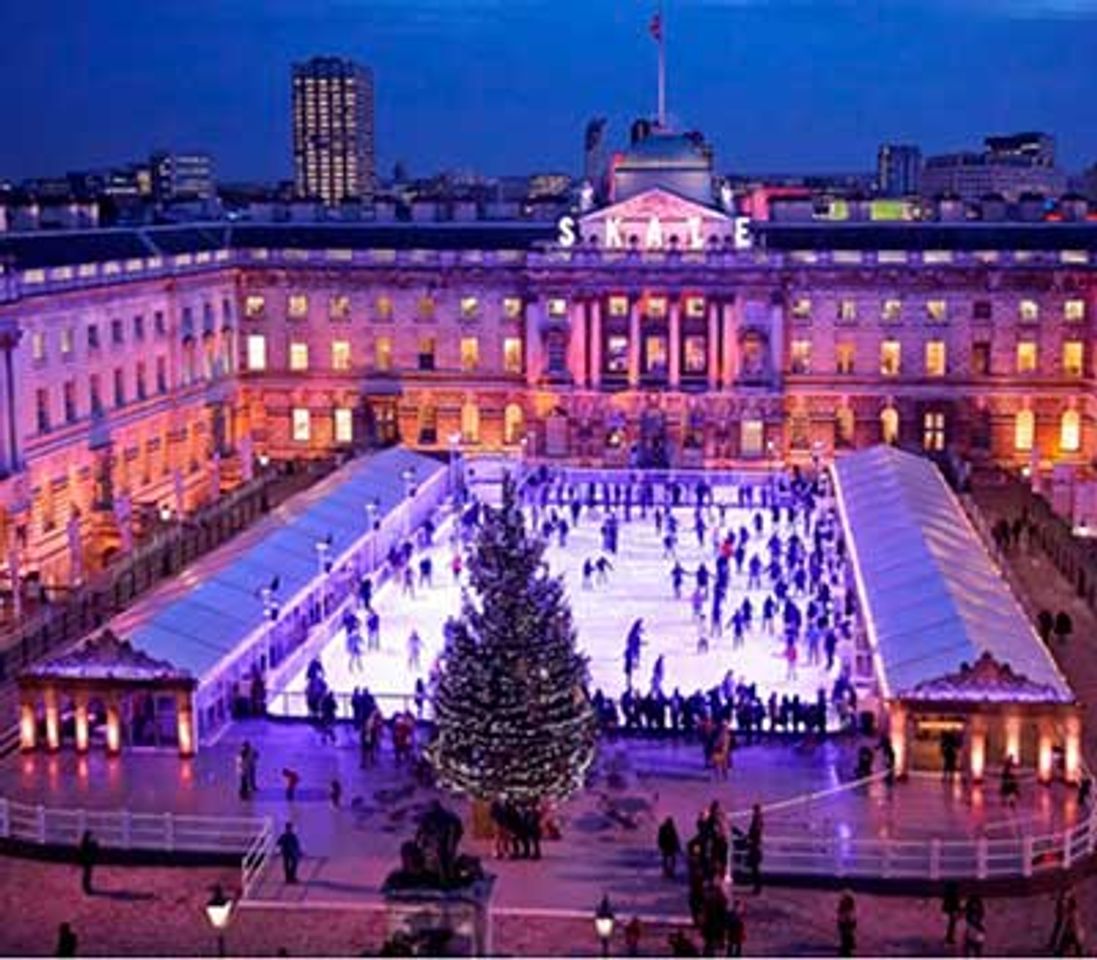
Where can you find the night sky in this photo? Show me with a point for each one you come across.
(506, 86)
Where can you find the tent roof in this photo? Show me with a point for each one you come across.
(218, 606)
(934, 600)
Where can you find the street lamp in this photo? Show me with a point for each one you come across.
(164, 512)
(408, 477)
(454, 447)
(603, 923)
(373, 507)
(219, 913)
(323, 550)
(264, 461)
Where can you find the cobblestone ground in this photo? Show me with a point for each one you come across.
(159, 912)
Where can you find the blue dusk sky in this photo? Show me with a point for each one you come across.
(506, 86)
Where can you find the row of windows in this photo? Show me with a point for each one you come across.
(936, 310)
(70, 407)
(298, 306)
(935, 362)
(299, 354)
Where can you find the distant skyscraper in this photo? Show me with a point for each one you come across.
(332, 129)
(898, 170)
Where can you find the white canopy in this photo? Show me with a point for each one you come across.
(933, 598)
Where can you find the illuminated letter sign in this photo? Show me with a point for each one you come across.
(613, 233)
(741, 237)
(696, 241)
(566, 235)
(653, 238)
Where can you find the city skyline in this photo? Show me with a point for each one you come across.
(940, 75)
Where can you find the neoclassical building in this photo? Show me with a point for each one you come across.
(145, 368)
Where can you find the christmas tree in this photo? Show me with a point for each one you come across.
(512, 714)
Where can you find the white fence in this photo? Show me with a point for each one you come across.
(130, 831)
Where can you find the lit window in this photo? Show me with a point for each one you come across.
(695, 307)
(470, 308)
(1028, 311)
(618, 306)
(1073, 353)
(655, 355)
(470, 422)
(299, 356)
(426, 308)
(344, 425)
(514, 424)
(67, 340)
(889, 425)
(301, 424)
(382, 354)
(616, 358)
(340, 355)
(1074, 310)
(1026, 356)
(933, 431)
(339, 308)
(892, 311)
(512, 354)
(426, 353)
(512, 307)
(656, 307)
(470, 353)
(1024, 430)
(257, 351)
(937, 311)
(847, 311)
(297, 306)
(428, 423)
(890, 358)
(1070, 432)
(38, 346)
(801, 308)
(935, 358)
(980, 358)
(695, 354)
(800, 356)
(843, 355)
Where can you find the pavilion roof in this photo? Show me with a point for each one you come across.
(105, 656)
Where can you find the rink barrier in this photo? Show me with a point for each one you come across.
(128, 831)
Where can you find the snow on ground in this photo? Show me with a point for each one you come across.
(638, 586)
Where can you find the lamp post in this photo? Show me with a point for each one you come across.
(219, 913)
(372, 509)
(454, 450)
(408, 476)
(603, 923)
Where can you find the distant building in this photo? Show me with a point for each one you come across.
(1009, 166)
(594, 155)
(333, 148)
(679, 162)
(182, 176)
(898, 170)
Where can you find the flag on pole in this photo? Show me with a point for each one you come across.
(655, 28)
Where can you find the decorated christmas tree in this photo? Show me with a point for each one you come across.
(512, 714)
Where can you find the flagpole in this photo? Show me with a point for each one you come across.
(662, 68)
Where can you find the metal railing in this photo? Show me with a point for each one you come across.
(126, 830)
(255, 858)
(293, 703)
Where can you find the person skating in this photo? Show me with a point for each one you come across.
(373, 630)
(603, 566)
(677, 577)
(588, 573)
(415, 648)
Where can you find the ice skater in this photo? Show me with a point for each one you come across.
(603, 566)
(373, 630)
(633, 642)
(677, 576)
(426, 572)
(354, 650)
(657, 672)
(415, 648)
(588, 573)
(409, 582)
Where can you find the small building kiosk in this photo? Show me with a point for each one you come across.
(107, 688)
(953, 651)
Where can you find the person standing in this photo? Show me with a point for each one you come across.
(66, 941)
(669, 846)
(975, 933)
(847, 925)
(952, 908)
(1070, 937)
(88, 855)
(754, 848)
(736, 932)
(290, 847)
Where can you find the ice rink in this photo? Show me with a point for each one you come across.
(638, 586)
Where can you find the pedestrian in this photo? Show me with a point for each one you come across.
(66, 941)
(952, 908)
(335, 794)
(974, 926)
(415, 648)
(243, 772)
(253, 770)
(736, 933)
(754, 848)
(669, 846)
(714, 918)
(290, 847)
(292, 778)
(1071, 937)
(634, 930)
(88, 855)
(847, 925)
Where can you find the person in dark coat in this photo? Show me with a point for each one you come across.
(66, 941)
(669, 846)
(88, 855)
(290, 847)
(847, 925)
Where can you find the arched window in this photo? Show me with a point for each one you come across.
(470, 422)
(889, 425)
(514, 424)
(843, 427)
(1024, 430)
(1070, 432)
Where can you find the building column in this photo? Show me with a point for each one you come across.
(28, 720)
(577, 343)
(81, 722)
(731, 347)
(1073, 749)
(978, 740)
(595, 343)
(114, 724)
(532, 344)
(713, 345)
(53, 719)
(184, 714)
(1044, 754)
(897, 733)
(674, 351)
(634, 343)
(1012, 728)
